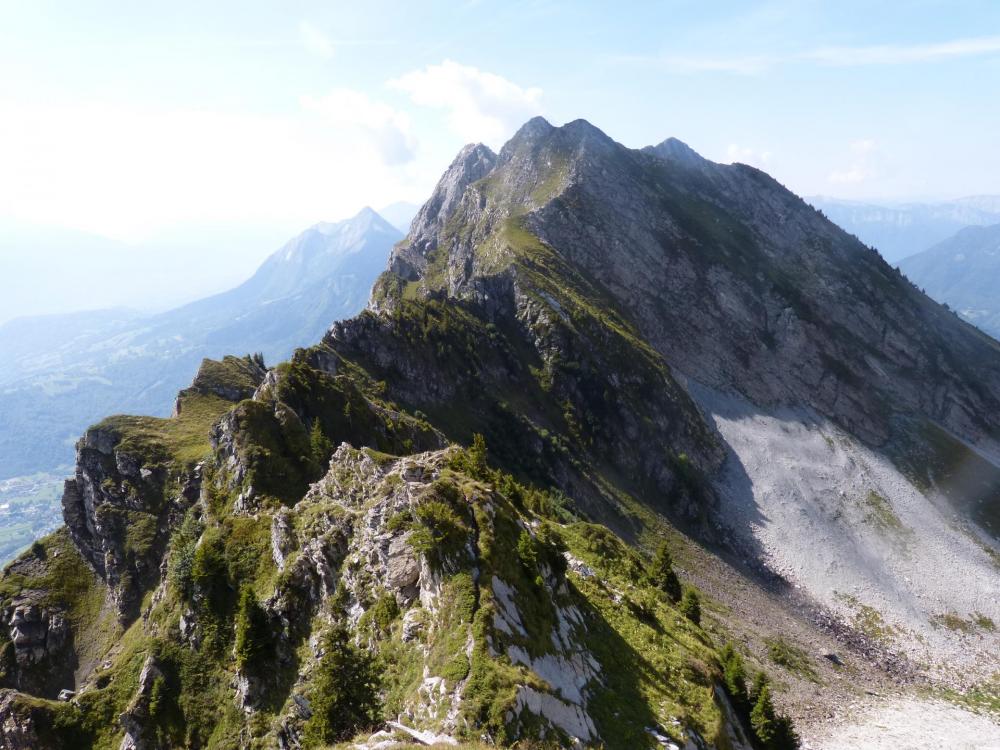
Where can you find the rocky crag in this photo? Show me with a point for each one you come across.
(639, 348)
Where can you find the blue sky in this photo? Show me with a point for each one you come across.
(236, 124)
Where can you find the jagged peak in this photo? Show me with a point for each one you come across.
(474, 162)
(538, 131)
(475, 150)
(536, 127)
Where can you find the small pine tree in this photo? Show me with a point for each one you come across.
(760, 681)
(664, 577)
(734, 677)
(772, 731)
(763, 719)
(477, 456)
(691, 606)
(320, 444)
(527, 552)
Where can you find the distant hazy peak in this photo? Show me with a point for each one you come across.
(365, 222)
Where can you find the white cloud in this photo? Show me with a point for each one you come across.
(480, 106)
(744, 155)
(386, 129)
(130, 173)
(836, 56)
(315, 41)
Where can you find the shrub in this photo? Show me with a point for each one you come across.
(380, 616)
(691, 606)
(440, 530)
(759, 683)
(209, 580)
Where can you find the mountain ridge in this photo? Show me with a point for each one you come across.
(649, 356)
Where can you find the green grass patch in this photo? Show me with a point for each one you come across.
(792, 658)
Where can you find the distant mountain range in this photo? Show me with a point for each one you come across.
(60, 373)
(963, 272)
(901, 230)
(399, 214)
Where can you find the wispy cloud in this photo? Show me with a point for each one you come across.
(834, 56)
(899, 54)
(481, 106)
(385, 129)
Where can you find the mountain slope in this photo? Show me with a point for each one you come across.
(963, 271)
(61, 373)
(645, 351)
(899, 231)
(772, 317)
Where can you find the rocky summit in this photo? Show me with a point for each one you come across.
(629, 449)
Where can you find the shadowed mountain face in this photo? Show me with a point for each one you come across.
(963, 272)
(60, 373)
(639, 345)
(899, 231)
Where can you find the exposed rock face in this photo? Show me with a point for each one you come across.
(17, 725)
(139, 735)
(353, 550)
(36, 632)
(473, 162)
(114, 495)
(42, 645)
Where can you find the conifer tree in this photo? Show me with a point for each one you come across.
(663, 574)
(691, 606)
